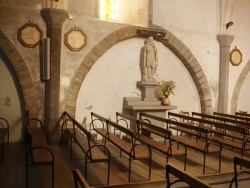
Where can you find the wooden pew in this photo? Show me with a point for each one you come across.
(79, 179)
(183, 177)
(4, 130)
(226, 134)
(94, 153)
(222, 119)
(202, 146)
(165, 147)
(219, 128)
(184, 118)
(108, 131)
(242, 163)
(235, 117)
(243, 114)
(37, 149)
(148, 118)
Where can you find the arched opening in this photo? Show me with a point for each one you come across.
(20, 74)
(238, 86)
(11, 107)
(173, 43)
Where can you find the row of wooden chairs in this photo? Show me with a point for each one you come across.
(193, 182)
(180, 175)
(186, 113)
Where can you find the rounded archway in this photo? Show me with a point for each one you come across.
(22, 74)
(172, 42)
(238, 86)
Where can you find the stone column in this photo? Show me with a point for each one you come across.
(225, 42)
(54, 19)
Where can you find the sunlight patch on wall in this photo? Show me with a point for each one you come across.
(107, 9)
(129, 11)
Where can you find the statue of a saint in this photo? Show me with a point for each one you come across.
(150, 62)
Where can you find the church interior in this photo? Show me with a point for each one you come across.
(124, 93)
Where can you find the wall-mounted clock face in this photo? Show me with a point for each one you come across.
(30, 35)
(235, 57)
(75, 39)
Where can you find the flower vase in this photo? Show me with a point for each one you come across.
(166, 101)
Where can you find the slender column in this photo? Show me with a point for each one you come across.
(225, 42)
(54, 19)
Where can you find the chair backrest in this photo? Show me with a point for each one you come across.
(32, 122)
(4, 124)
(125, 120)
(183, 177)
(242, 163)
(243, 112)
(183, 120)
(79, 179)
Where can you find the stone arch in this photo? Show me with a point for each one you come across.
(238, 86)
(172, 42)
(22, 74)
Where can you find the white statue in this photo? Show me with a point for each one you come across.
(150, 62)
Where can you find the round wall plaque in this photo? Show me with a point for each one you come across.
(235, 56)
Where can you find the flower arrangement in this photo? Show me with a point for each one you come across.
(167, 87)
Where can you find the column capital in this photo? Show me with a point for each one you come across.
(54, 16)
(225, 40)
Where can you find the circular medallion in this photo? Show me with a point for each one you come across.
(235, 57)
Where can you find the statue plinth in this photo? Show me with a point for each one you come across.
(146, 103)
(135, 104)
(148, 89)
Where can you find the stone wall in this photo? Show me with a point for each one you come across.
(191, 50)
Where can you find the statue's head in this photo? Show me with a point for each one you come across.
(150, 39)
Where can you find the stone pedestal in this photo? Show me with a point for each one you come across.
(132, 106)
(148, 90)
(147, 103)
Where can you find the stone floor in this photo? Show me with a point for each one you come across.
(12, 169)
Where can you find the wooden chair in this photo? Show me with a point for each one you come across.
(183, 120)
(79, 179)
(37, 149)
(243, 112)
(4, 130)
(242, 163)
(183, 177)
(187, 121)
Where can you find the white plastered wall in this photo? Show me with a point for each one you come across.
(115, 74)
(197, 27)
(10, 103)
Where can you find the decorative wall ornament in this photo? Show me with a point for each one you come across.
(156, 33)
(75, 39)
(30, 35)
(235, 56)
